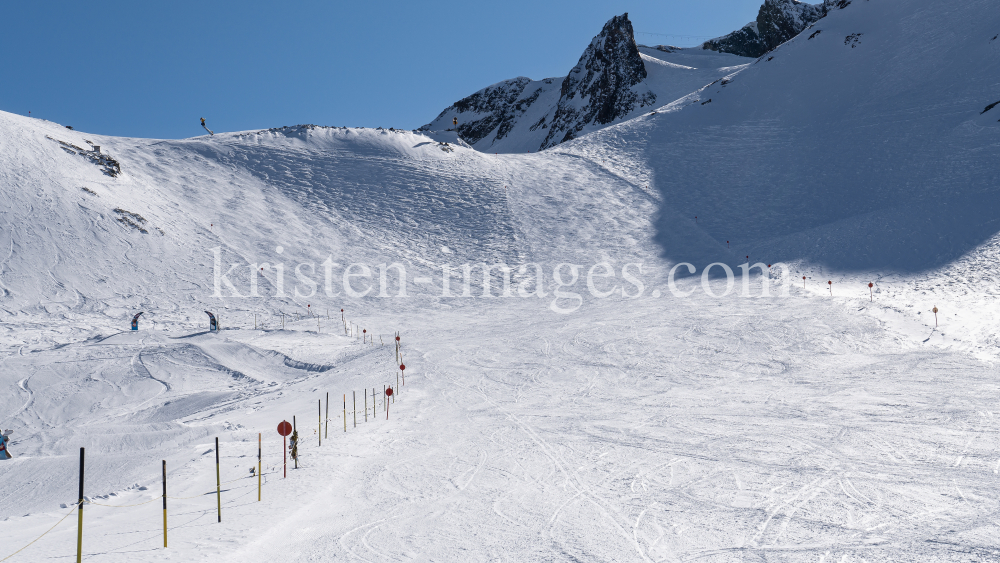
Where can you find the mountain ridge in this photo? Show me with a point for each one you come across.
(615, 79)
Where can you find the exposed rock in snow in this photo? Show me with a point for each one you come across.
(603, 86)
(777, 22)
(745, 42)
(614, 80)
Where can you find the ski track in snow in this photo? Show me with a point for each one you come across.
(831, 424)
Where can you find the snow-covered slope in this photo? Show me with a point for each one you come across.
(861, 145)
(614, 80)
(828, 424)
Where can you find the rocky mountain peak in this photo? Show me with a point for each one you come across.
(599, 89)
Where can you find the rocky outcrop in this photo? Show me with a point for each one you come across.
(605, 85)
(492, 113)
(777, 22)
(489, 108)
(745, 42)
(599, 89)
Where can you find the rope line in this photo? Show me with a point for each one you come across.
(124, 505)
(75, 506)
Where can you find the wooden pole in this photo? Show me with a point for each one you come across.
(218, 479)
(164, 503)
(79, 521)
(258, 466)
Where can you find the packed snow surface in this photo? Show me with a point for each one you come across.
(596, 411)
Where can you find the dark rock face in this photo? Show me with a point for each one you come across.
(496, 106)
(780, 20)
(777, 22)
(745, 42)
(599, 88)
(604, 86)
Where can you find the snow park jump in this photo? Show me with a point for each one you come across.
(599, 370)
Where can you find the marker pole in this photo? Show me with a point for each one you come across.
(258, 466)
(345, 412)
(319, 417)
(164, 503)
(79, 521)
(295, 432)
(327, 430)
(284, 456)
(218, 480)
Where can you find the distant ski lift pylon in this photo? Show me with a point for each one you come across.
(213, 325)
(135, 321)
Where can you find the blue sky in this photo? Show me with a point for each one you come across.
(151, 69)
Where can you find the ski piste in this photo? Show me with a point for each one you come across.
(647, 425)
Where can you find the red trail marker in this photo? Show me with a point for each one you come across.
(284, 429)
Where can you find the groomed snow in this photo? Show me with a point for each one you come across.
(825, 424)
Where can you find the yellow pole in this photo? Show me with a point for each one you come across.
(79, 522)
(164, 503)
